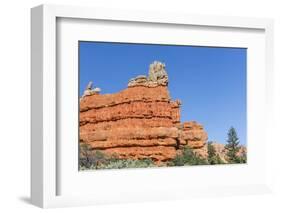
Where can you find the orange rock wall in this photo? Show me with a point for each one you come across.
(138, 122)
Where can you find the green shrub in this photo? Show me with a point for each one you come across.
(127, 163)
(94, 159)
(91, 158)
(177, 161)
(187, 157)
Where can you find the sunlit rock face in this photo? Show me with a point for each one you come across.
(141, 121)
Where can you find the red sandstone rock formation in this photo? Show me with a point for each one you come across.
(195, 137)
(139, 122)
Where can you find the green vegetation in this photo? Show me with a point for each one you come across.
(90, 159)
(233, 148)
(213, 157)
(123, 163)
(243, 157)
(187, 157)
(234, 153)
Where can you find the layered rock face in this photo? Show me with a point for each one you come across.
(139, 122)
(195, 137)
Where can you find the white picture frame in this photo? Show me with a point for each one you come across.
(45, 172)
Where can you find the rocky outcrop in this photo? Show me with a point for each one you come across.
(139, 122)
(91, 91)
(195, 137)
(221, 151)
(157, 75)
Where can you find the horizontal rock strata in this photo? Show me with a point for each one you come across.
(156, 153)
(139, 122)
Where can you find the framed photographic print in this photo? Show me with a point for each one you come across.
(130, 106)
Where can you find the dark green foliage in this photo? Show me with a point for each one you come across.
(243, 157)
(188, 157)
(232, 146)
(177, 161)
(213, 157)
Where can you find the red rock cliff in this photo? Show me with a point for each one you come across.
(139, 122)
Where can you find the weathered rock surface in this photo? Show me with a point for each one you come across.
(139, 122)
(91, 91)
(221, 151)
(157, 75)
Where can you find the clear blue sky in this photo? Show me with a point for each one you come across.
(210, 81)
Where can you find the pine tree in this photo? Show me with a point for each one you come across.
(232, 146)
